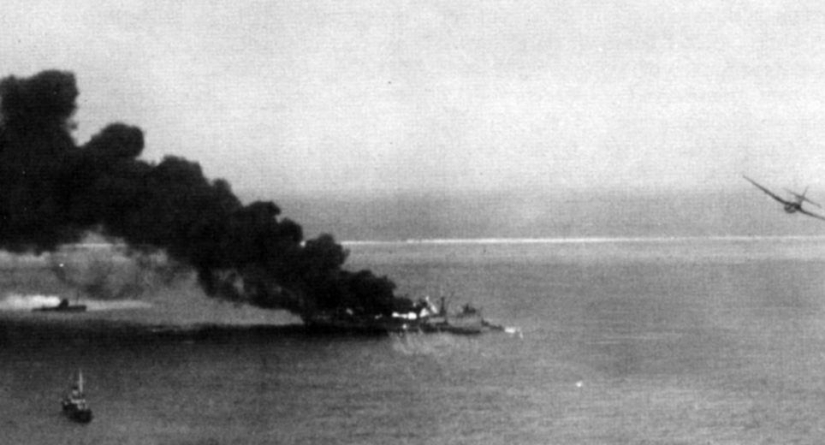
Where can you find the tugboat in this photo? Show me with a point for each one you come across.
(74, 403)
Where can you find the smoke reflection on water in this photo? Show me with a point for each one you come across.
(433, 345)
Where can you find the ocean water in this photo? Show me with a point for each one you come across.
(621, 341)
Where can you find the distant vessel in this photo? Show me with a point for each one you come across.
(63, 306)
(74, 403)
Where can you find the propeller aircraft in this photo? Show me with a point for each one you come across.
(791, 206)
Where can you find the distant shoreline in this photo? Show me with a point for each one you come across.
(586, 240)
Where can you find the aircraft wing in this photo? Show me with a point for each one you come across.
(803, 211)
(768, 192)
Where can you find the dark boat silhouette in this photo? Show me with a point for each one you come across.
(63, 306)
(74, 403)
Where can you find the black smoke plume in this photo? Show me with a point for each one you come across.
(53, 191)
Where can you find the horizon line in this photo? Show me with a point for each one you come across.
(582, 240)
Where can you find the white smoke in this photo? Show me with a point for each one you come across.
(27, 303)
(112, 271)
(16, 302)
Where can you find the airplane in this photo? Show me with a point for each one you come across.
(790, 206)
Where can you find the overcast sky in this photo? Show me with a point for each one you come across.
(356, 96)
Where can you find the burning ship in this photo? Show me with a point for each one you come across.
(424, 317)
(53, 191)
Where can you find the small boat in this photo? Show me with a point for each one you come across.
(74, 403)
(63, 306)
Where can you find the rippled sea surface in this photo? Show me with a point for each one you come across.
(665, 341)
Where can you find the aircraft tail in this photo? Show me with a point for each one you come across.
(800, 198)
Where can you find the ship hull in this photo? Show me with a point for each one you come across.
(76, 308)
(76, 413)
